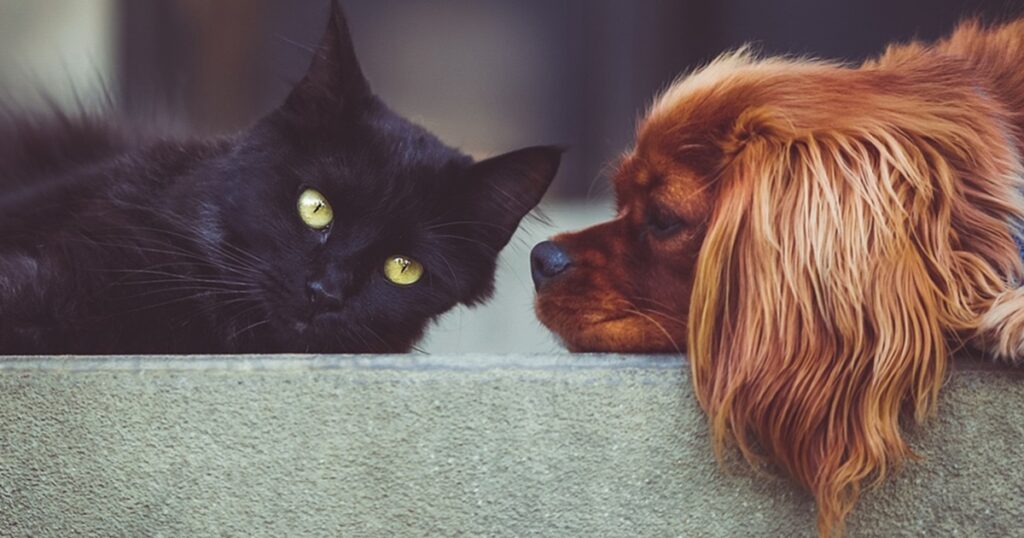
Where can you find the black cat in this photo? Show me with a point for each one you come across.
(332, 225)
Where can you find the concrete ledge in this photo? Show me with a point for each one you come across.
(424, 446)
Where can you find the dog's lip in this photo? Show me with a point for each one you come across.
(586, 317)
(583, 340)
(582, 328)
(585, 323)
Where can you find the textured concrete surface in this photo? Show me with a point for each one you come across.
(436, 446)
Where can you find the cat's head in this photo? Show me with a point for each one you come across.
(357, 226)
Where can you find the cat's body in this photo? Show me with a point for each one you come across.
(76, 199)
(113, 242)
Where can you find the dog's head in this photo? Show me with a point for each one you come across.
(812, 234)
(625, 285)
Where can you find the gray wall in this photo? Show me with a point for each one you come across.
(443, 446)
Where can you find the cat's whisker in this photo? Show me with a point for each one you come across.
(342, 338)
(166, 278)
(199, 277)
(514, 205)
(451, 270)
(240, 255)
(184, 254)
(242, 268)
(489, 248)
(187, 226)
(223, 305)
(133, 246)
(192, 285)
(196, 293)
(171, 277)
(248, 328)
(154, 270)
(165, 303)
(375, 335)
(239, 316)
(366, 345)
(463, 223)
(296, 44)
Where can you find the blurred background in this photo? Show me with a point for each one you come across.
(487, 76)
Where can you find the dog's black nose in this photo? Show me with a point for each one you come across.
(547, 260)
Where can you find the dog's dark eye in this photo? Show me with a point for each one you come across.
(664, 223)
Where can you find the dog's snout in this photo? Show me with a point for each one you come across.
(548, 260)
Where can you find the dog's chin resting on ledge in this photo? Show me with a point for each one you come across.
(819, 239)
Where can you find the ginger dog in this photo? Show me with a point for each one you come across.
(819, 239)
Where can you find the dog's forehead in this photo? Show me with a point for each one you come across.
(632, 178)
(632, 172)
(644, 166)
(652, 171)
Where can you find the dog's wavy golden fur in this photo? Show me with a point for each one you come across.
(820, 239)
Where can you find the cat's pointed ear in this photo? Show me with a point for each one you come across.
(503, 189)
(334, 79)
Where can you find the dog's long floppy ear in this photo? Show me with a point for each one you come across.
(334, 79)
(832, 265)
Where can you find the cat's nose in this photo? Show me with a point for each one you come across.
(324, 296)
(547, 260)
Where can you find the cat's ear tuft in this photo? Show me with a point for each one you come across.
(334, 80)
(504, 189)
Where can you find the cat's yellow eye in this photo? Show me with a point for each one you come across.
(402, 270)
(314, 209)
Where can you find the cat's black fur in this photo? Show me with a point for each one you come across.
(113, 243)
